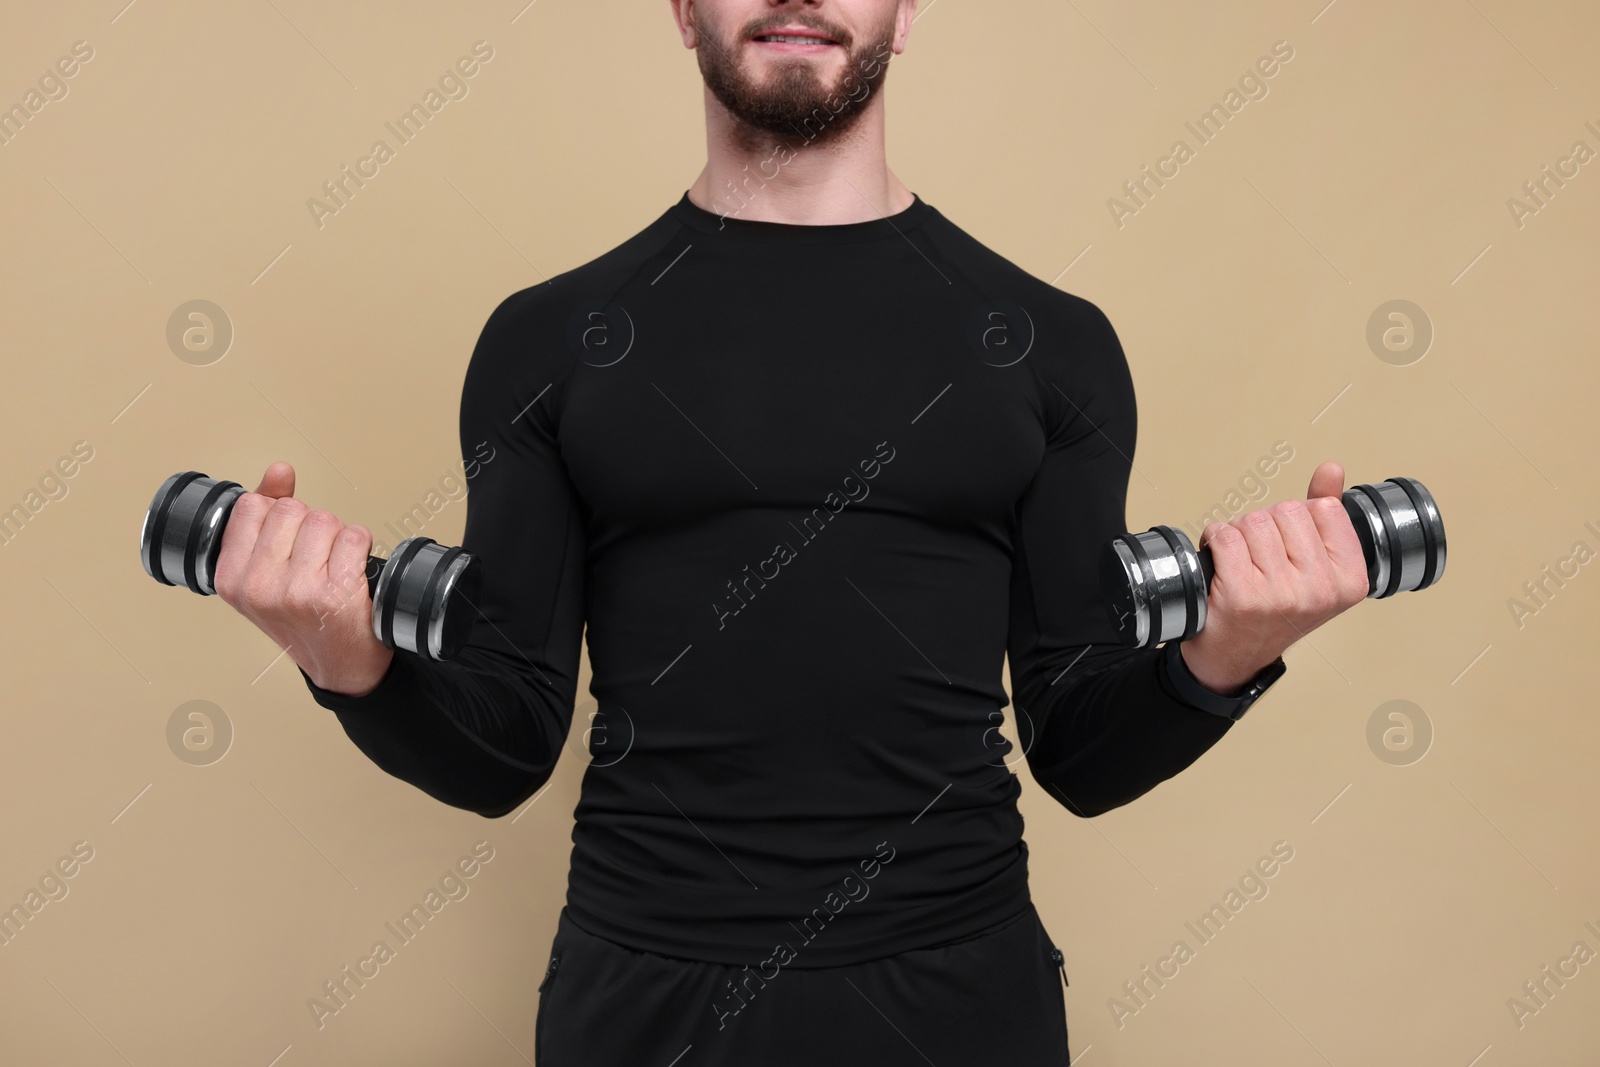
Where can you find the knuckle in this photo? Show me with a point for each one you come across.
(1326, 506)
(318, 519)
(289, 507)
(253, 505)
(1293, 511)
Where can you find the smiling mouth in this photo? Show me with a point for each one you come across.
(789, 38)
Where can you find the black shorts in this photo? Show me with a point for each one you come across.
(994, 998)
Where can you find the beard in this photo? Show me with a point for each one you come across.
(794, 100)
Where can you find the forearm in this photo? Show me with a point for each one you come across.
(1109, 730)
(443, 728)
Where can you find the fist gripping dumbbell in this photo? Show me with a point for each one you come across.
(1155, 584)
(421, 595)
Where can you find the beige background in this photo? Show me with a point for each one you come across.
(220, 898)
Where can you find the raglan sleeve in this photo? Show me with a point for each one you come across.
(1099, 720)
(483, 730)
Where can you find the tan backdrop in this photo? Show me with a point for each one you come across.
(1444, 850)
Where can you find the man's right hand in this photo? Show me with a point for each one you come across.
(299, 574)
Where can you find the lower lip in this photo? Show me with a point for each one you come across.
(802, 49)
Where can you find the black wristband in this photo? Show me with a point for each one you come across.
(1184, 686)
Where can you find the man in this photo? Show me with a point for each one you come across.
(809, 461)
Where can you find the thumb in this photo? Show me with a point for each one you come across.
(277, 481)
(1326, 480)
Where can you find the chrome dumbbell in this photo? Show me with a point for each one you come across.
(1155, 584)
(421, 595)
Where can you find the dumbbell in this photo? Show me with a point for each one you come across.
(1155, 584)
(421, 595)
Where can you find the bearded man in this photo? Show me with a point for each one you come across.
(809, 462)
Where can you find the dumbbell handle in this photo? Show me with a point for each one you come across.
(1209, 570)
(1380, 575)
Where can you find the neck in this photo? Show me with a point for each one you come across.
(765, 177)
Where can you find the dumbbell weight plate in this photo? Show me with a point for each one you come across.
(1155, 585)
(1401, 535)
(182, 532)
(424, 598)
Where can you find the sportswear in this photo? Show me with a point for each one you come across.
(807, 486)
(997, 997)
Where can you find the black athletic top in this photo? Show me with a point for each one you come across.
(807, 486)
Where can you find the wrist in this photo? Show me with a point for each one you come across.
(1180, 683)
(355, 684)
(1222, 679)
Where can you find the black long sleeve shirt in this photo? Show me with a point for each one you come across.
(806, 486)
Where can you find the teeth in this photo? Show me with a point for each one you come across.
(791, 40)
